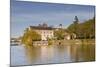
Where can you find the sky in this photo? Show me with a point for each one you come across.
(24, 14)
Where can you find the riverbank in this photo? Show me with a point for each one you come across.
(62, 42)
(76, 41)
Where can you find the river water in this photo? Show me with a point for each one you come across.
(21, 55)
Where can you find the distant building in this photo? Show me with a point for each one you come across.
(45, 31)
(67, 36)
(15, 41)
(73, 36)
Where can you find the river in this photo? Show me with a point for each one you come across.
(21, 55)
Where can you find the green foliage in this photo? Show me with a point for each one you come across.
(50, 41)
(30, 36)
(83, 30)
(59, 34)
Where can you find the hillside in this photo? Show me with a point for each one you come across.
(83, 30)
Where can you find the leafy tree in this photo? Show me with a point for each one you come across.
(83, 30)
(30, 36)
(59, 34)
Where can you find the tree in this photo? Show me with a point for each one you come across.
(59, 34)
(83, 30)
(74, 27)
(30, 36)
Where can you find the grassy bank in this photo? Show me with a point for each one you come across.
(76, 41)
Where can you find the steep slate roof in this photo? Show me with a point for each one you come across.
(41, 28)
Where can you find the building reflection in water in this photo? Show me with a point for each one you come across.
(59, 53)
(38, 55)
(32, 54)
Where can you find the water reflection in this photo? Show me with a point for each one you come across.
(83, 52)
(32, 54)
(57, 54)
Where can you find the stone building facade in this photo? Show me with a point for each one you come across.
(45, 31)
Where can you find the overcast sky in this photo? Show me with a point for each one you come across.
(24, 14)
